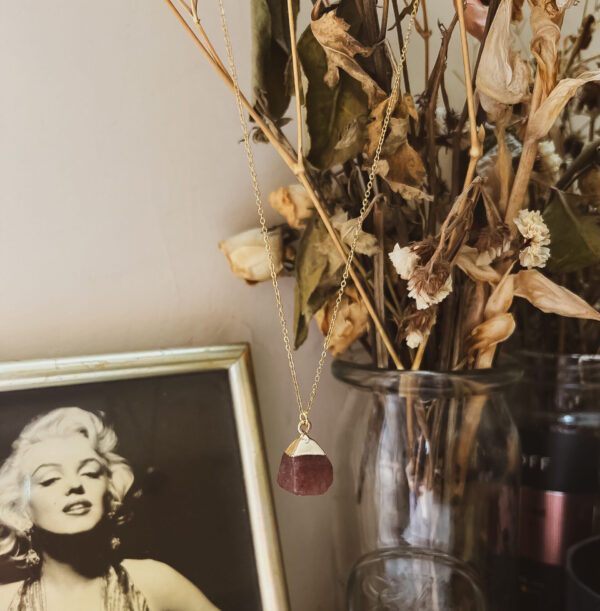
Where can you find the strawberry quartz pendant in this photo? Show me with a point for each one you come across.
(305, 469)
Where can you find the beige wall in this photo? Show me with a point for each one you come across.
(120, 170)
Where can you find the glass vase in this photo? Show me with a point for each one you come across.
(557, 410)
(426, 492)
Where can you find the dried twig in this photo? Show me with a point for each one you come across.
(292, 162)
(476, 149)
(526, 161)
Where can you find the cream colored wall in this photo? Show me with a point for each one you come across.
(120, 170)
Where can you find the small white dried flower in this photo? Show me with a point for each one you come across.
(423, 298)
(537, 237)
(414, 339)
(534, 256)
(405, 260)
(549, 159)
(417, 324)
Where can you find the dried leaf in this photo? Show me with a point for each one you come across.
(498, 325)
(270, 53)
(554, 8)
(317, 276)
(502, 296)
(502, 76)
(575, 234)
(406, 191)
(340, 48)
(404, 167)
(544, 45)
(467, 262)
(366, 243)
(490, 333)
(545, 116)
(550, 297)
(351, 323)
(397, 127)
(352, 140)
(407, 104)
(330, 113)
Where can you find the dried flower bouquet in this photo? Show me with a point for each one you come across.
(444, 252)
(446, 248)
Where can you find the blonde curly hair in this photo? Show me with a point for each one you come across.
(15, 524)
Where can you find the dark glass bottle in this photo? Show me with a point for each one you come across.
(557, 410)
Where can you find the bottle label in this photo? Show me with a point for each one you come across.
(551, 522)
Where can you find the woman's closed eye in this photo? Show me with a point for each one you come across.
(48, 481)
(96, 474)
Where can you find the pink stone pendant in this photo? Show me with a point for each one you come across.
(305, 469)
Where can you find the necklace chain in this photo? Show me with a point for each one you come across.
(304, 424)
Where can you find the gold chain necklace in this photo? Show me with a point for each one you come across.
(305, 469)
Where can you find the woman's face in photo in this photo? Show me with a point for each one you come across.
(65, 485)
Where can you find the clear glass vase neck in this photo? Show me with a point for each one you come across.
(438, 383)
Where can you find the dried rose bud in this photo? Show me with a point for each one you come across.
(247, 255)
(352, 320)
(475, 17)
(294, 203)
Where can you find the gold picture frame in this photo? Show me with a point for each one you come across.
(232, 360)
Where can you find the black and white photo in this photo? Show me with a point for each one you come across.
(129, 494)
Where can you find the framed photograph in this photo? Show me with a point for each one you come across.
(144, 472)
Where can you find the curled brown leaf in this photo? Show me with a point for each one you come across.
(490, 333)
(467, 262)
(545, 116)
(550, 297)
(502, 76)
(502, 296)
(352, 320)
(397, 128)
(405, 166)
(544, 46)
(406, 191)
(340, 48)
